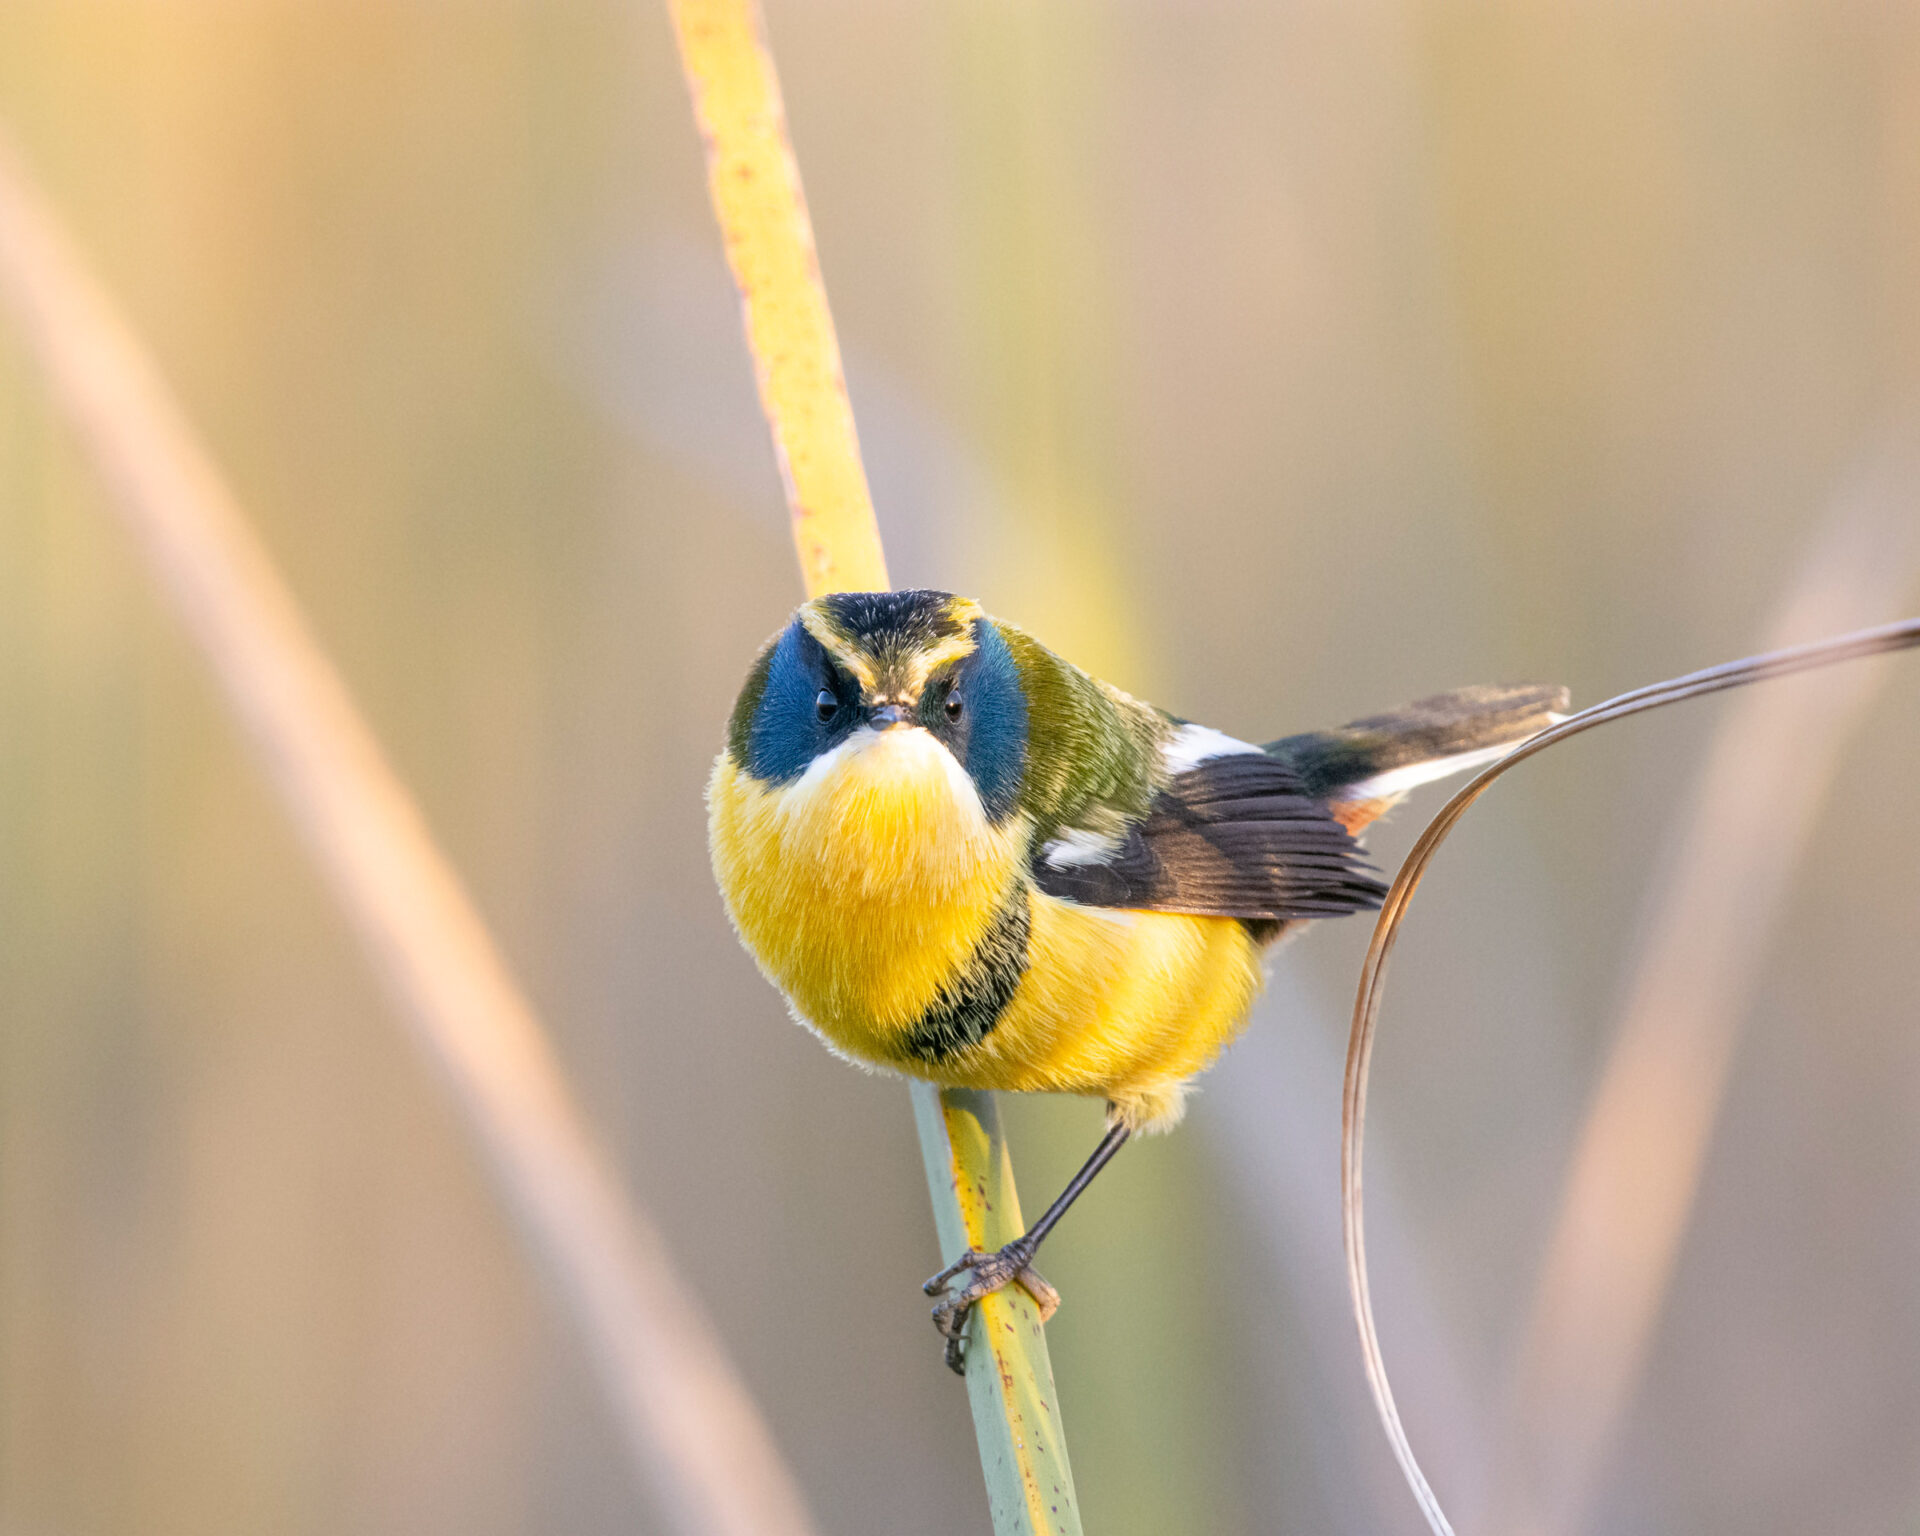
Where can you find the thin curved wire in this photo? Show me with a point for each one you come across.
(1366, 1008)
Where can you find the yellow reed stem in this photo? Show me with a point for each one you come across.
(769, 241)
(1016, 1413)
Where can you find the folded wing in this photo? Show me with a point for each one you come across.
(1231, 836)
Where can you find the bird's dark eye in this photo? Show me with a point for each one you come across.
(825, 705)
(953, 703)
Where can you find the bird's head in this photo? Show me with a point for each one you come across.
(886, 687)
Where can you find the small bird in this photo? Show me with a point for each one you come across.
(963, 859)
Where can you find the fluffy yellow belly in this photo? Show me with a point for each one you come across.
(1126, 1005)
(862, 891)
(865, 890)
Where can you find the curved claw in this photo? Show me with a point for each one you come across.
(937, 1286)
(988, 1272)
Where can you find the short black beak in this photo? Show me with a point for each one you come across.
(887, 715)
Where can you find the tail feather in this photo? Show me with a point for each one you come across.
(1377, 760)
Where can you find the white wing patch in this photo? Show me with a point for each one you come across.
(1192, 745)
(1187, 747)
(1079, 846)
(1397, 781)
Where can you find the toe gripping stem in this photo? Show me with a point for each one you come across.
(986, 1273)
(1013, 1264)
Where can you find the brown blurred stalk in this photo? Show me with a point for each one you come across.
(1636, 1169)
(687, 1421)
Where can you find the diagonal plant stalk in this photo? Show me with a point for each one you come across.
(1636, 1168)
(1009, 1379)
(762, 212)
(689, 1426)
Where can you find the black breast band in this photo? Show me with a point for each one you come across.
(968, 1007)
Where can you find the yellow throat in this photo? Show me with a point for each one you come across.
(863, 885)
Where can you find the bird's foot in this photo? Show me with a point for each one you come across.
(986, 1273)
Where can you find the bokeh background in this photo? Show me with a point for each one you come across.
(1278, 362)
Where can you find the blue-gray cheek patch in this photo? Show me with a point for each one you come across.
(997, 722)
(787, 731)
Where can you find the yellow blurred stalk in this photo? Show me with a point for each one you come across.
(687, 1422)
(1028, 97)
(769, 242)
(1040, 322)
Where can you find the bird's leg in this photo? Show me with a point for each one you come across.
(989, 1272)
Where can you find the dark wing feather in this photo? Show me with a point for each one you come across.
(1235, 836)
(1425, 731)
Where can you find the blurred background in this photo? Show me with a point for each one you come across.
(1276, 362)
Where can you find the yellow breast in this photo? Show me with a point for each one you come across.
(1125, 1005)
(863, 886)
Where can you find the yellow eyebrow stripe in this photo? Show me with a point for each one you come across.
(922, 664)
(902, 674)
(838, 646)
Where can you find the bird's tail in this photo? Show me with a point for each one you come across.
(1366, 767)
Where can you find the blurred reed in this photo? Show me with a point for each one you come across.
(761, 207)
(687, 1422)
(1740, 838)
(1029, 103)
(1366, 1008)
